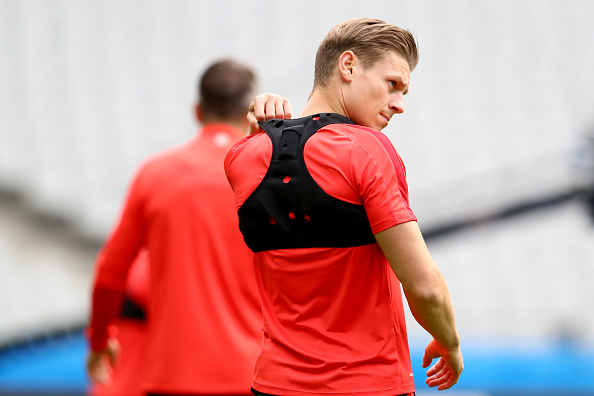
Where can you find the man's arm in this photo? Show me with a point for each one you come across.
(428, 297)
(112, 266)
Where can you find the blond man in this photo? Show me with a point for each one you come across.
(323, 203)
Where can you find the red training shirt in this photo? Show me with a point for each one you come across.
(333, 317)
(204, 317)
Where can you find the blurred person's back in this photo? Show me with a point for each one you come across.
(203, 313)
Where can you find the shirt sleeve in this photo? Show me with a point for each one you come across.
(229, 159)
(137, 283)
(112, 266)
(244, 183)
(381, 178)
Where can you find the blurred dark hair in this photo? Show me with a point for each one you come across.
(226, 89)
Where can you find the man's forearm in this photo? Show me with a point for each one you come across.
(434, 312)
(423, 283)
(106, 305)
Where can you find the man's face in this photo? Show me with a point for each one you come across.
(376, 94)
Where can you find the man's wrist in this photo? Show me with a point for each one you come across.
(98, 339)
(451, 344)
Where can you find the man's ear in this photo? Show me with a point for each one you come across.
(198, 112)
(346, 64)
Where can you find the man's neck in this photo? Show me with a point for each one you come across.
(322, 101)
(241, 127)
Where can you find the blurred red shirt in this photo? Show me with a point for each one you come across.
(204, 317)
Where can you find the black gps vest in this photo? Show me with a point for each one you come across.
(289, 209)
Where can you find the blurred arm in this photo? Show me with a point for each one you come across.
(112, 268)
(428, 297)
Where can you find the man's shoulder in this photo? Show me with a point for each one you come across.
(257, 142)
(349, 128)
(356, 132)
(364, 136)
(160, 161)
(367, 143)
(251, 139)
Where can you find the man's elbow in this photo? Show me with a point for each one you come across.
(430, 292)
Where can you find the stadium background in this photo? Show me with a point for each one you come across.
(497, 138)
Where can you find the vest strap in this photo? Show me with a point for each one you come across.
(289, 209)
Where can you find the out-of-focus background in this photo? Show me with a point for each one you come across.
(497, 137)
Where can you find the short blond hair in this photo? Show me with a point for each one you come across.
(369, 39)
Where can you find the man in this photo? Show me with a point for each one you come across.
(323, 202)
(204, 318)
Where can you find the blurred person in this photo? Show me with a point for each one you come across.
(323, 202)
(203, 314)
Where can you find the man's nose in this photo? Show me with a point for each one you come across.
(397, 103)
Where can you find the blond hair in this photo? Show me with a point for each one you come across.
(369, 39)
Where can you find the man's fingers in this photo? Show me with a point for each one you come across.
(443, 378)
(283, 109)
(448, 385)
(99, 363)
(93, 367)
(101, 375)
(113, 357)
(429, 356)
(453, 380)
(93, 374)
(269, 106)
(98, 372)
(426, 360)
(437, 371)
(252, 119)
(287, 107)
(437, 375)
(447, 370)
(254, 126)
(271, 109)
(439, 380)
(258, 109)
(279, 110)
(266, 107)
(436, 367)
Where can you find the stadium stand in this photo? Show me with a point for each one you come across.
(498, 106)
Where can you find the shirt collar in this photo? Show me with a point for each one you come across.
(214, 129)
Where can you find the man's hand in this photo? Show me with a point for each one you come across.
(100, 363)
(266, 107)
(445, 373)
